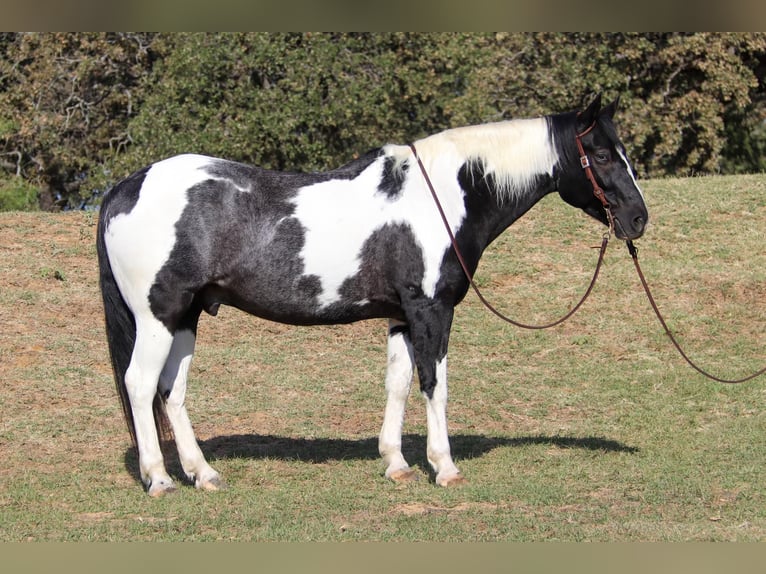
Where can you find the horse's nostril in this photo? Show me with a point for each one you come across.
(639, 223)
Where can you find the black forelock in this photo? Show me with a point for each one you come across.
(562, 129)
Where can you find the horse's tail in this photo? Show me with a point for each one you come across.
(120, 325)
(121, 337)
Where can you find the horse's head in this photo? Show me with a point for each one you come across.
(596, 175)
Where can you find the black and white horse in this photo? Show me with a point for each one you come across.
(363, 241)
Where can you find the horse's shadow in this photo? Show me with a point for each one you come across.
(320, 450)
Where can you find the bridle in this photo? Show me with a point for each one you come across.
(598, 192)
(467, 272)
(585, 164)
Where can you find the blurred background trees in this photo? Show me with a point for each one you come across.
(80, 111)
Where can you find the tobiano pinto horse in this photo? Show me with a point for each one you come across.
(364, 241)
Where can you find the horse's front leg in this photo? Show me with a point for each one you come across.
(430, 338)
(399, 373)
(438, 449)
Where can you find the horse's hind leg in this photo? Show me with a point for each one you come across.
(398, 381)
(153, 343)
(172, 388)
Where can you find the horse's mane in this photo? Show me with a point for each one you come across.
(513, 153)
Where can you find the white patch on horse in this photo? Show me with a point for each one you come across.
(139, 243)
(438, 448)
(514, 152)
(340, 215)
(630, 172)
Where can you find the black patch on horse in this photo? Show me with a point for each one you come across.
(390, 260)
(122, 198)
(399, 329)
(236, 248)
(392, 179)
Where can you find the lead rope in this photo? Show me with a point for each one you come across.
(487, 304)
(634, 254)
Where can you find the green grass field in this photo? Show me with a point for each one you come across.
(592, 431)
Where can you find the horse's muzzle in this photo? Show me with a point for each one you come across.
(631, 227)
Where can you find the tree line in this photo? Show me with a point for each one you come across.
(79, 111)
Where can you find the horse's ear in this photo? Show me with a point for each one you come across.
(587, 117)
(610, 109)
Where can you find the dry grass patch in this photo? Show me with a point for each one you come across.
(591, 431)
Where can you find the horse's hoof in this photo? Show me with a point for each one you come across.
(454, 480)
(212, 485)
(404, 475)
(161, 489)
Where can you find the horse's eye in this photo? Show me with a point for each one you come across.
(602, 156)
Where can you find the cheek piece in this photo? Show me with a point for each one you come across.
(597, 189)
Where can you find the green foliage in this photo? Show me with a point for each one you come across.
(295, 101)
(16, 194)
(65, 101)
(700, 83)
(685, 98)
(80, 111)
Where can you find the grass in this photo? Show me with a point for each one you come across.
(595, 430)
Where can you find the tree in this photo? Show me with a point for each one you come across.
(80, 111)
(65, 99)
(692, 86)
(683, 96)
(296, 101)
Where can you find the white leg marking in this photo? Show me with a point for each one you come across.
(438, 449)
(153, 342)
(173, 379)
(398, 381)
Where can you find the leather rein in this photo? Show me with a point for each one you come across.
(598, 192)
(634, 254)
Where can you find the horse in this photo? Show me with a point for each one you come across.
(363, 241)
